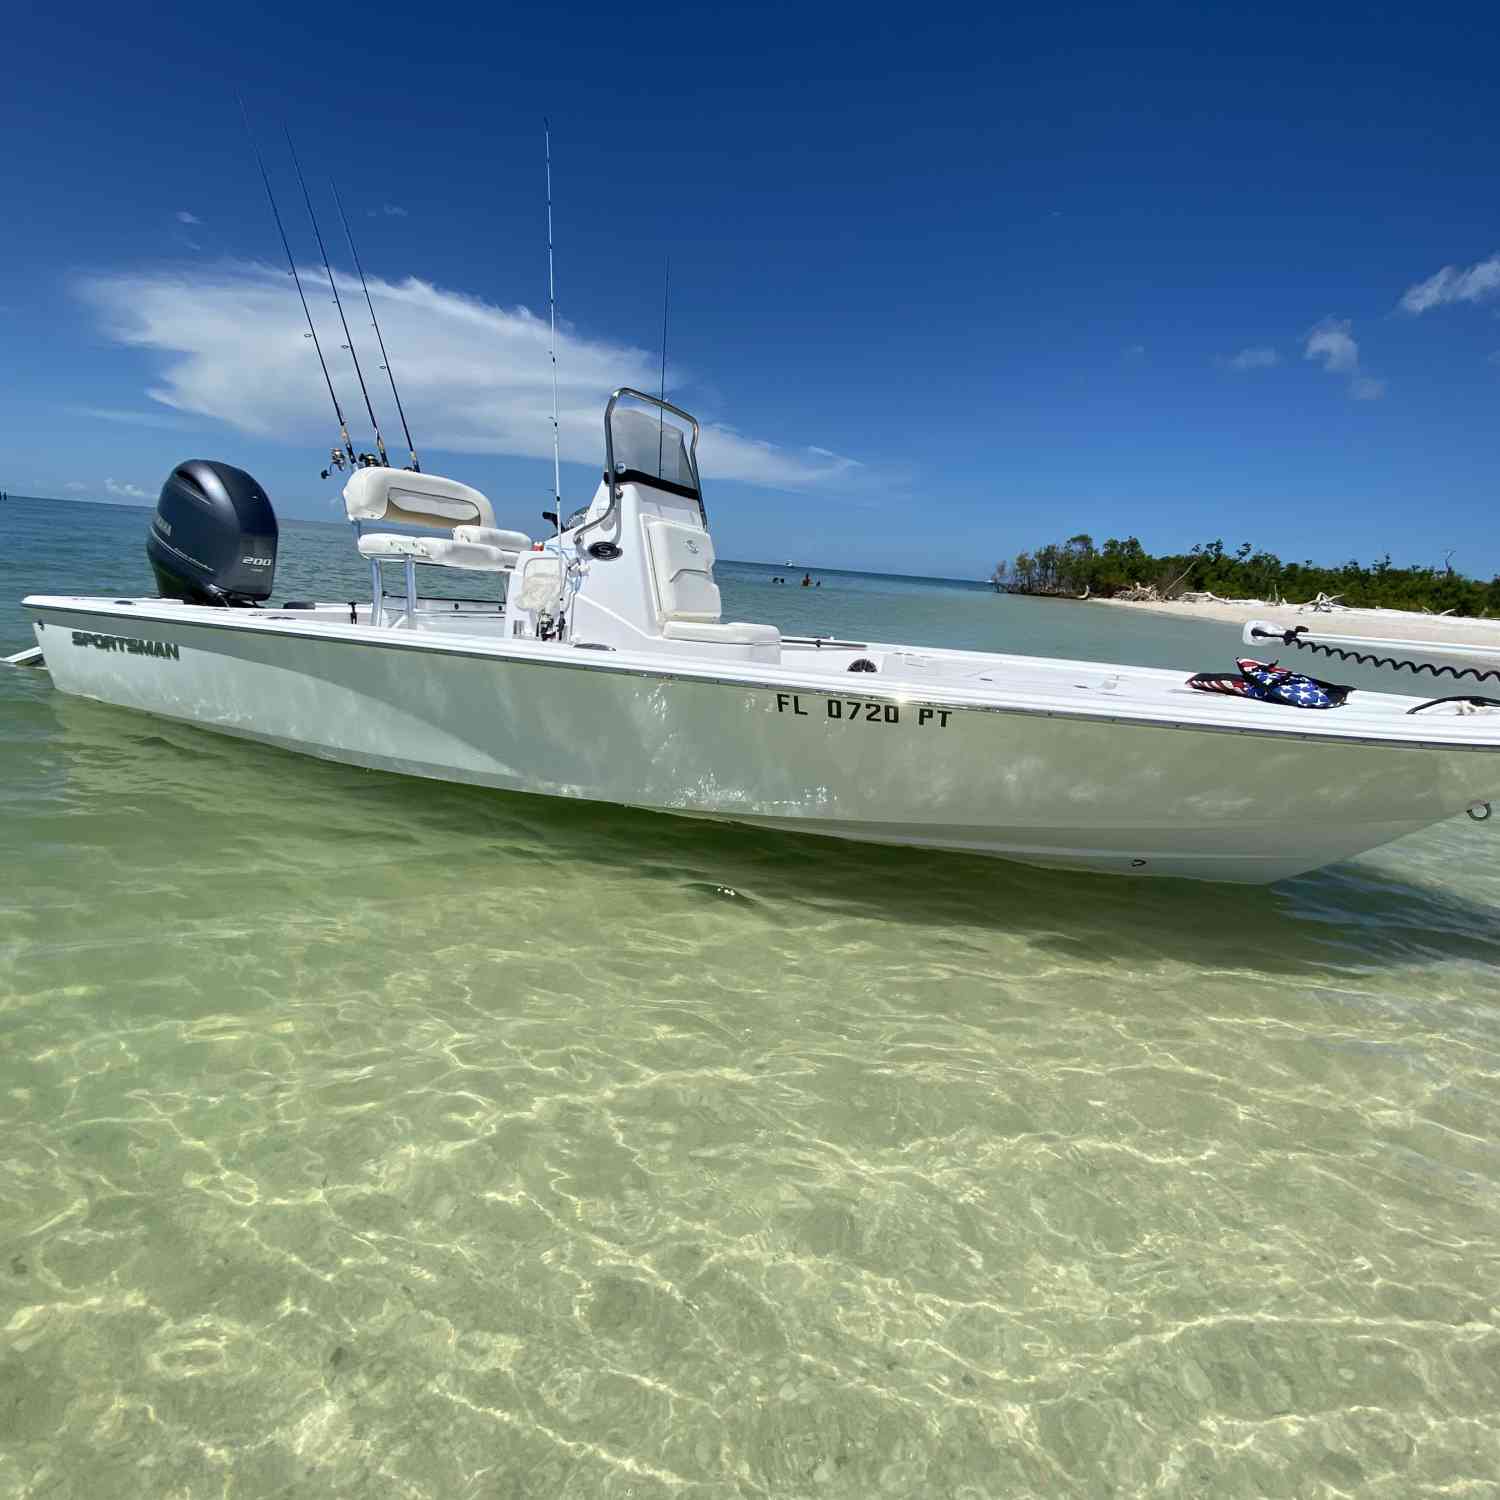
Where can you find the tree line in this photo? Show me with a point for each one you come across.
(1077, 566)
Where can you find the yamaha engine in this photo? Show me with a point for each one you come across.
(213, 537)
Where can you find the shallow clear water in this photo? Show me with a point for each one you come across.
(374, 1137)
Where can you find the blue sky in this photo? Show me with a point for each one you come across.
(945, 284)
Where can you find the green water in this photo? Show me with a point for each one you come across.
(371, 1137)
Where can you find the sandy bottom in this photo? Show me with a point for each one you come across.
(366, 1138)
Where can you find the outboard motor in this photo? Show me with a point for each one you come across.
(213, 537)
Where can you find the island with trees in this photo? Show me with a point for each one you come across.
(1077, 568)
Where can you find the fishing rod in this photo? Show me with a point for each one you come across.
(552, 348)
(337, 302)
(375, 324)
(567, 571)
(661, 410)
(312, 331)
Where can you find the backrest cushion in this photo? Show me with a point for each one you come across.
(682, 569)
(401, 498)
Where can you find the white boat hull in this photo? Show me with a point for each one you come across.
(854, 758)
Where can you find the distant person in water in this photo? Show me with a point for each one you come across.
(807, 580)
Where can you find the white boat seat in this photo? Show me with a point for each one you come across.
(442, 552)
(401, 497)
(490, 536)
(720, 633)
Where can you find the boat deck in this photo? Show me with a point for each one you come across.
(827, 665)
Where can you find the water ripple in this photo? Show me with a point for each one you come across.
(377, 1138)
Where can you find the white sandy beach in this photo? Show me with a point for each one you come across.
(1372, 624)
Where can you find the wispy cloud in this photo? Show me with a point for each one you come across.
(393, 211)
(125, 491)
(166, 420)
(1480, 280)
(1258, 357)
(75, 484)
(475, 378)
(1333, 345)
(184, 217)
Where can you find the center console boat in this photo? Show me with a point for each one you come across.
(597, 664)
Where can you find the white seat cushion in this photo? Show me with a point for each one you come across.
(441, 552)
(735, 633)
(682, 567)
(490, 536)
(403, 498)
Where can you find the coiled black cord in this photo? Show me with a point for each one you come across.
(1369, 659)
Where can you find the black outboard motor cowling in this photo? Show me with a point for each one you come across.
(213, 537)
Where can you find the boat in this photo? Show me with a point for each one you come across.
(596, 664)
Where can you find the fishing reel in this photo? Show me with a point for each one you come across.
(337, 461)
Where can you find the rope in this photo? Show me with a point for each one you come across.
(1369, 659)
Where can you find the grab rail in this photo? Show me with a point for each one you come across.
(611, 473)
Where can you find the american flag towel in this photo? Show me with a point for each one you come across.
(1271, 684)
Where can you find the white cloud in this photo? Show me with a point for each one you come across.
(125, 491)
(1452, 285)
(75, 484)
(171, 421)
(1332, 342)
(475, 378)
(1259, 357)
(184, 217)
(1334, 345)
(394, 211)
